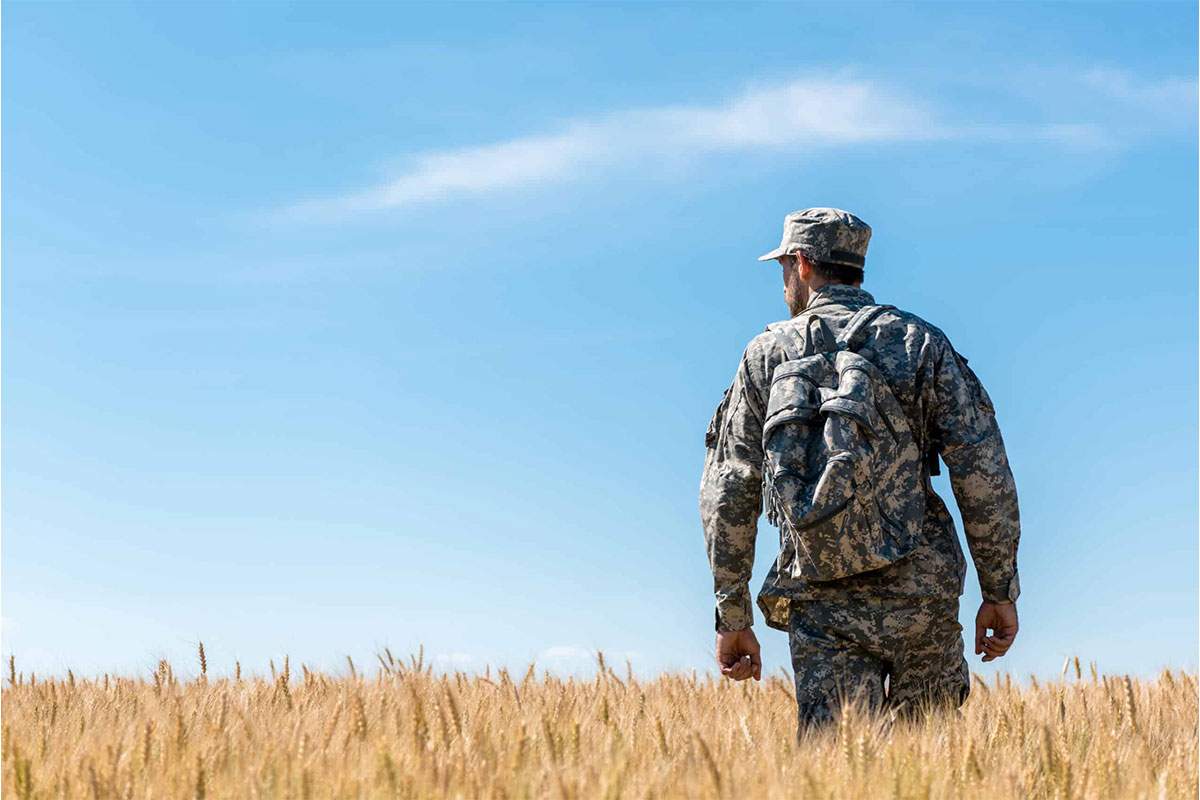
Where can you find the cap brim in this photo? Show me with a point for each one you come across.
(774, 254)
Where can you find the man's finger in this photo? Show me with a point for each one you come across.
(980, 630)
(730, 664)
(738, 671)
(756, 665)
(747, 668)
(995, 649)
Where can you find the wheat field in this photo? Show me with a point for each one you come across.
(406, 731)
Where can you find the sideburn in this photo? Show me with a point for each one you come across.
(795, 292)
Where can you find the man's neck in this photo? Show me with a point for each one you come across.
(831, 291)
(817, 284)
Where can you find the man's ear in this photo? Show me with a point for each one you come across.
(805, 267)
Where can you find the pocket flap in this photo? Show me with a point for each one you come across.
(795, 392)
(855, 396)
(864, 413)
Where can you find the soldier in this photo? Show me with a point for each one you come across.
(867, 586)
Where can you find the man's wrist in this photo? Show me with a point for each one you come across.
(1005, 591)
(734, 613)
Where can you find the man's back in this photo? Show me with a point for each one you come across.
(949, 412)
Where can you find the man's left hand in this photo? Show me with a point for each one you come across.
(1001, 620)
(738, 655)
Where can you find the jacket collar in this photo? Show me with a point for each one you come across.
(840, 294)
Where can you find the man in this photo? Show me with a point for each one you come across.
(897, 622)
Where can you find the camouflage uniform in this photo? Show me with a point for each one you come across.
(901, 621)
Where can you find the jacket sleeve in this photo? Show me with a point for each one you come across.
(731, 497)
(969, 438)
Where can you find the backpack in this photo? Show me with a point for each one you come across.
(842, 471)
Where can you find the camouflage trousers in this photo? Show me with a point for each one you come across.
(845, 650)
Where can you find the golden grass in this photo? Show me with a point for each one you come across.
(408, 732)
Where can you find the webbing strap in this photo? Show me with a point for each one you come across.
(790, 342)
(852, 335)
(817, 338)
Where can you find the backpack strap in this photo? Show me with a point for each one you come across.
(854, 332)
(791, 344)
(817, 338)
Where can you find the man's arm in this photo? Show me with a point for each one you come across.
(971, 445)
(731, 497)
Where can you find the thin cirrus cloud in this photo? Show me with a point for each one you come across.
(570, 659)
(1164, 98)
(812, 113)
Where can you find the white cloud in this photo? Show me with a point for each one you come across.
(1171, 97)
(453, 659)
(570, 659)
(565, 653)
(812, 112)
(820, 112)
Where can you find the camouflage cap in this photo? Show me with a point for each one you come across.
(824, 234)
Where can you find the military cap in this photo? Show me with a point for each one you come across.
(824, 234)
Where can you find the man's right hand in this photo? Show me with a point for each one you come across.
(1001, 619)
(738, 655)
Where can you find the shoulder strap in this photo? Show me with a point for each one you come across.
(788, 339)
(817, 338)
(854, 332)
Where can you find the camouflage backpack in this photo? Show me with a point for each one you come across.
(841, 470)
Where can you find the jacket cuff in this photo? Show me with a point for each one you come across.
(734, 612)
(1003, 591)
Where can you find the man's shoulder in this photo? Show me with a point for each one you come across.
(763, 353)
(912, 325)
(895, 315)
(766, 341)
(894, 325)
(890, 317)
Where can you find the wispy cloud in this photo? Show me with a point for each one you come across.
(566, 653)
(571, 659)
(1169, 97)
(822, 112)
(1109, 106)
(813, 112)
(455, 660)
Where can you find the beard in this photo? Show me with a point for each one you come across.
(797, 301)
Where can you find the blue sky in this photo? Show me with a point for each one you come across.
(333, 327)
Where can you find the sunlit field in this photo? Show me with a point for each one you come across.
(401, 729)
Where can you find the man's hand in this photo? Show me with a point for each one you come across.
(738, 655)
(1001, 620)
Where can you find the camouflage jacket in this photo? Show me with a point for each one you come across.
(951, 416)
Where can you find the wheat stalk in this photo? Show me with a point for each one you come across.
(408, 731)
